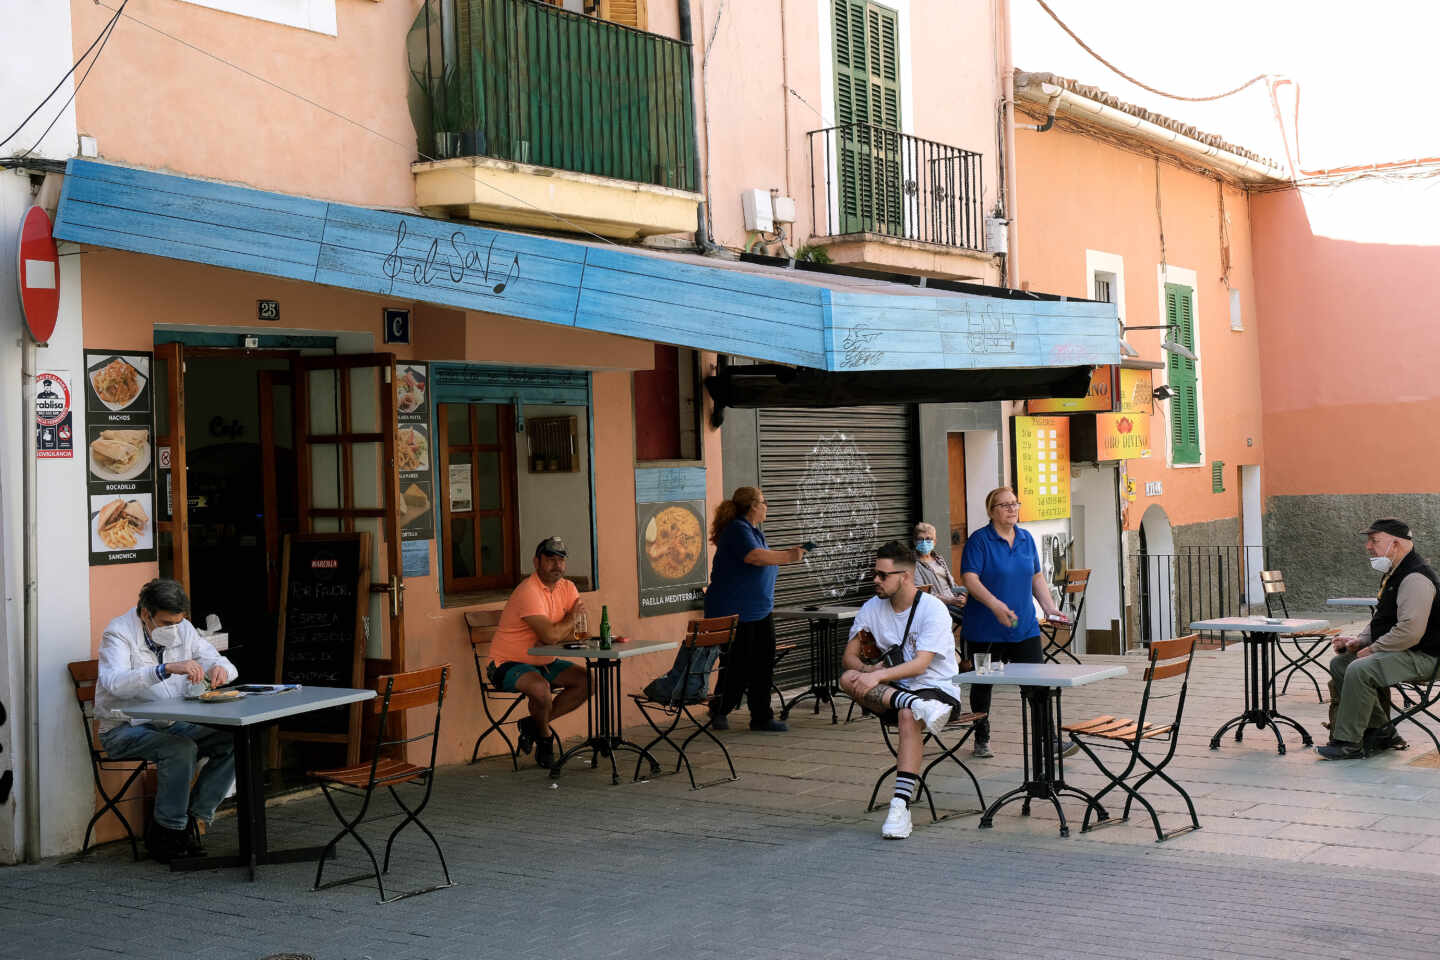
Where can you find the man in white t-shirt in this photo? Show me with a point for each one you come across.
(912, 686)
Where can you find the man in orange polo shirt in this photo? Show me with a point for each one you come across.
(540, 612)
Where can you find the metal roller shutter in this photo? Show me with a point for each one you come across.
(847, 479)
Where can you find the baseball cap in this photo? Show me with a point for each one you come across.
(551, 545)
(1392, 526)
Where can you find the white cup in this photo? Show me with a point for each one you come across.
(982, 664)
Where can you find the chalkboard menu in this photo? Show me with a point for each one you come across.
(326, 580)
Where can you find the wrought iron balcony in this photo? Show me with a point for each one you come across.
(873, 180)
(525, 81)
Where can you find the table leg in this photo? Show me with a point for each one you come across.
(1260, 708)
(1044, 768)
(603, 720)
(824, 675)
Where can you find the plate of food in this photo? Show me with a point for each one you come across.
(412, 449)
(217, 696)
(674, 542)
(411, 390)
(122, 525)
(116, 382)
(120, 454)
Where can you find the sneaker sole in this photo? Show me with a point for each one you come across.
(896, 836)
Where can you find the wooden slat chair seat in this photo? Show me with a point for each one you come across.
(388, 768)
(961, 724)
(1072, 604)
(1167, 677)
(699, 634)
(482, 624)
(84, 674)
(1308, 645)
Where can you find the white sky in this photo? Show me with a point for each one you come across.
(1361, 68)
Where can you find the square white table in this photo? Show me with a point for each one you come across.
(246, 717)
(1259, 635)
(602, 708)
(1367, 602)
(826, 648)
(1040, 685)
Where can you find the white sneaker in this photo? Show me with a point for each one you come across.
(897, 822)
(934, 714)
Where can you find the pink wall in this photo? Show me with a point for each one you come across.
(1074, 194)
(125, 295)
(152, 102)
(1347, 283)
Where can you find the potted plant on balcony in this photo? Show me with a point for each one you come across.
(456, 133)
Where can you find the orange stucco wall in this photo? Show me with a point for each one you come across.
(1351, 396)
(152, 102)
(1073, 194)
(125, 295)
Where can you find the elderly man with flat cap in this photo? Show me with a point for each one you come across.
(541, 612)
(1400, 644)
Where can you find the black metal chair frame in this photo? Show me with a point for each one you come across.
(1077, 607)
(488, 693)
(1163, 660)
(399, 692)
(1417, 699)
(83, 674)
(720, 632)
(781, 652)
(965, 722)
(1308, 646)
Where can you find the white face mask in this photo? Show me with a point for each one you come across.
(167, 637)
(1380, 564)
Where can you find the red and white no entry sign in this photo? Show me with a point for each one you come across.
(39, 274)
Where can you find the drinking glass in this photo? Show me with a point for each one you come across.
(582, 629)
(982, 663)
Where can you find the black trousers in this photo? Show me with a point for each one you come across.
(748, 668)
(1026, 651)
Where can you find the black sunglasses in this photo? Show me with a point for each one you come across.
(883, 574)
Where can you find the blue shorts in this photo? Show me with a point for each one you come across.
(503, 675)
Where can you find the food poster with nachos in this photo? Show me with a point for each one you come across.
(119, 450)
(670, 534)
(413, 457)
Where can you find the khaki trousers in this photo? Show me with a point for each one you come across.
(1359, 689)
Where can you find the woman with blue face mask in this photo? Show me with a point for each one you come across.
(931, 570)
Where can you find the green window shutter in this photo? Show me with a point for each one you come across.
(1185, 405)
(867, 91)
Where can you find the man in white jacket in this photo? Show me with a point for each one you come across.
(153, 653)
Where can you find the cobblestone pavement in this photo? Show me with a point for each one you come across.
(786, 863)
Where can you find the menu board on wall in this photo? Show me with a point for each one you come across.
(120, 473)
(1042, 467)
(413, 452)
(670, 536)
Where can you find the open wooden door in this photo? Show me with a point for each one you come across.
(171, 496)
(345, 447)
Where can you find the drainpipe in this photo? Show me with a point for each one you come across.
(1050, 109)
(1007, 87)
(687, 35)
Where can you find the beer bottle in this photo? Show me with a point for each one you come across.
(604, 627)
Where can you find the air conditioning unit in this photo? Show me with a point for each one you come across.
(759, 215)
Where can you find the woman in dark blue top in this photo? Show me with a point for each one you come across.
(1001, 569)
(742, 580)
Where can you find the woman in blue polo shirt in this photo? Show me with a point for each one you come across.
(1001, 569)
(742, 580)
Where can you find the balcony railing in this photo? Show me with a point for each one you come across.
(870, 179)
(525, 81)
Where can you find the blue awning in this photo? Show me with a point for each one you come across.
(826, 323)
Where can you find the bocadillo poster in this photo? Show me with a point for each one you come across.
(120, 472)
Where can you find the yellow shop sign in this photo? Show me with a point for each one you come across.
(1042, 467)
(1136, 387)
(1100, 396)
(1122, 436)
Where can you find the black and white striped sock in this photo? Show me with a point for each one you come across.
(905, 787)
(901, 700)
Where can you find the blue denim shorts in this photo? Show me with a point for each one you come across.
(503, 675)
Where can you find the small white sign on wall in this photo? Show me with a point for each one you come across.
(1154, 488)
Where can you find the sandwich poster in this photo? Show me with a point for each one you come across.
(120, 472)
(413, 457)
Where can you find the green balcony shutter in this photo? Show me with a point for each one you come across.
(867, 91)
(1185, 405)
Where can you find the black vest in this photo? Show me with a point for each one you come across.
(1387, 610)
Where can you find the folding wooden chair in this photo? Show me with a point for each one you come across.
(1072, 604)
(389, 768)
(1416, 699)
(482, 624)
(1308, 646)
(84, 675)
(699, 634)
(1169, 660)
(962, 723)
